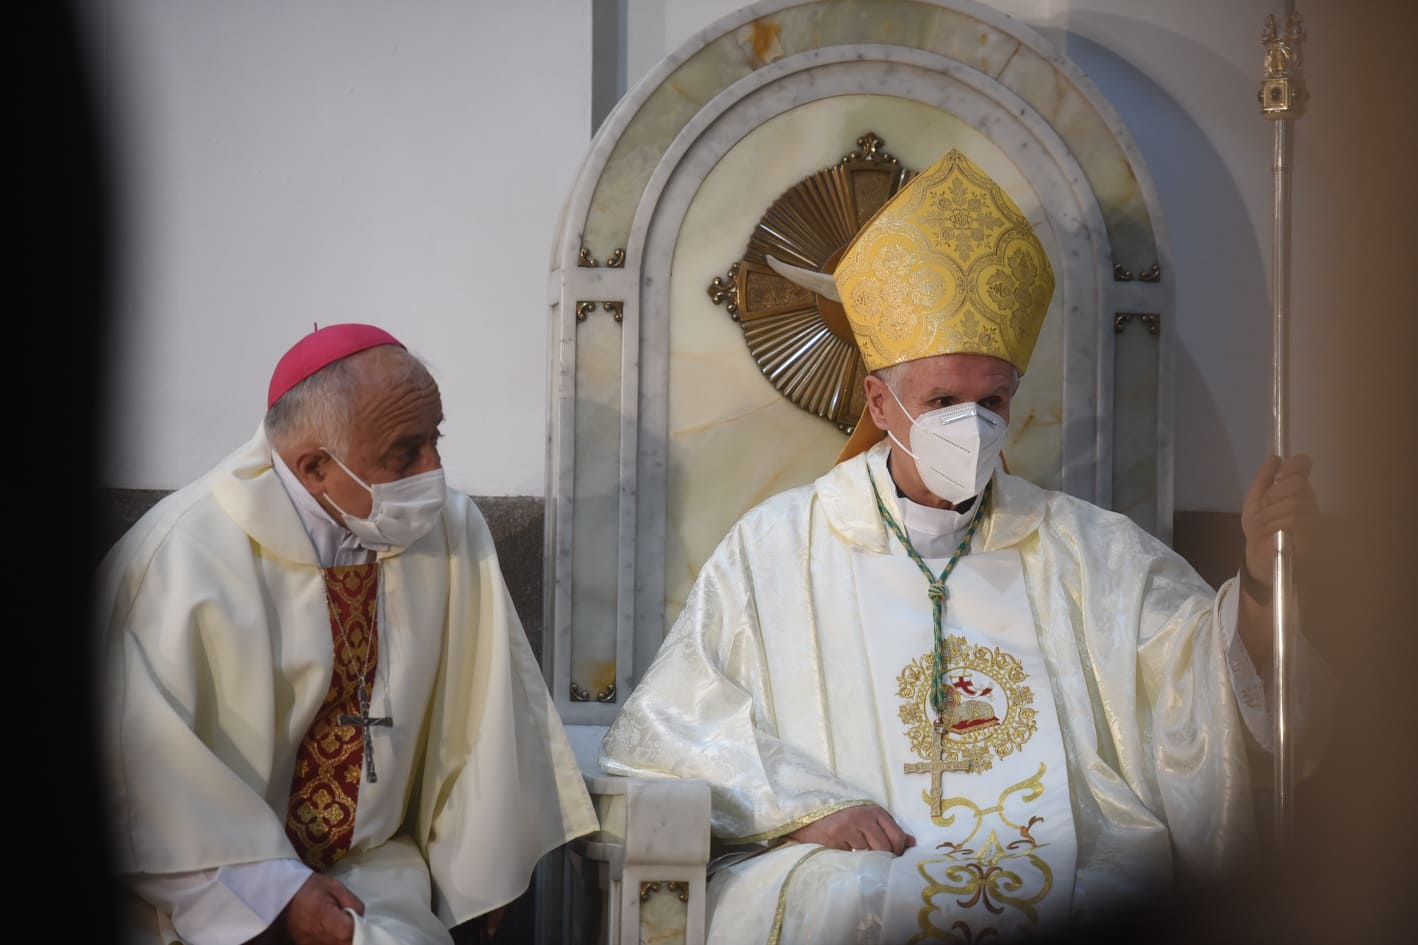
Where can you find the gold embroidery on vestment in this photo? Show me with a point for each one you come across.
(324, 794)
(990, 709)
(1006, 879)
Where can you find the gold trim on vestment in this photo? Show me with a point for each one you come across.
(802, 821)
(323, 799)
(777, 931)
(987, 874)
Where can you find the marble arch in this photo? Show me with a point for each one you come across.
(662, 430)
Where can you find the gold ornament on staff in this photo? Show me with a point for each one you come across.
(1282, 98)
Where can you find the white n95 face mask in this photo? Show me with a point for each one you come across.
(955, 448)
(403, 511)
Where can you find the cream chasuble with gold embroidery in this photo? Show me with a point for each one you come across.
(995, 845)
(780, 685)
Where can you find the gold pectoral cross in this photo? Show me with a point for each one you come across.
(936, 768)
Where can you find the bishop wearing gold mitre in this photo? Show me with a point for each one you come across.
(933, 701)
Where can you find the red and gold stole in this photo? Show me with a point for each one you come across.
(320, 816)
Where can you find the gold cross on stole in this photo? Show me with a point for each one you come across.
(936, 768)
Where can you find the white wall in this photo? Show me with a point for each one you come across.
(1184, 78)
(285, 162)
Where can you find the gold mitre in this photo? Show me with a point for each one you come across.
(949, 265)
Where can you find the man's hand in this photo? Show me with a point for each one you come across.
(315, 915)
(1280, 498)
(867, 827)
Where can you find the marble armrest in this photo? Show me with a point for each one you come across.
(653, 840)
(648, 821)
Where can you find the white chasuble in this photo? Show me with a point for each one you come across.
(779, 686)
(995, 845)
(217, 646)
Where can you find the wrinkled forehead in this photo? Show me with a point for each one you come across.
(960, 369)
(393, 388)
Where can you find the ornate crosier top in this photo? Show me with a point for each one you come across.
(940, 690)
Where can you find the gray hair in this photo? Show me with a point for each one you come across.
(893, 375)
(322, 407)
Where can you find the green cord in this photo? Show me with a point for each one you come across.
(936, 590)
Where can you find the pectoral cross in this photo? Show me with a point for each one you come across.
(936, 768)
(366, 722)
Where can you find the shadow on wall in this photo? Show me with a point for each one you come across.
(1221, 342)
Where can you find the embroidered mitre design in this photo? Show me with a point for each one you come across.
(948, 266)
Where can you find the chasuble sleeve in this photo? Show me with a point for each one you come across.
(190, 699)
(704, 710)
(500, 785)
(1163, 694)
(1313, 721)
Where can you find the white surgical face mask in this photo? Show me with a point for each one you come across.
(403, 511)
(955, 448)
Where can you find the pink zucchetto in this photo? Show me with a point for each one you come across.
(319, 348)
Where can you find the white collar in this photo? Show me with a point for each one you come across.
(934, 532)
(335, 545)
(849, 490)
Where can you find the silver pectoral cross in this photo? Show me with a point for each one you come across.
(936, 768)
(366, 722)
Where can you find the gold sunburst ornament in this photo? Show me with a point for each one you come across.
(799, 337)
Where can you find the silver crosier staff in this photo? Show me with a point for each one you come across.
(1282, 98)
